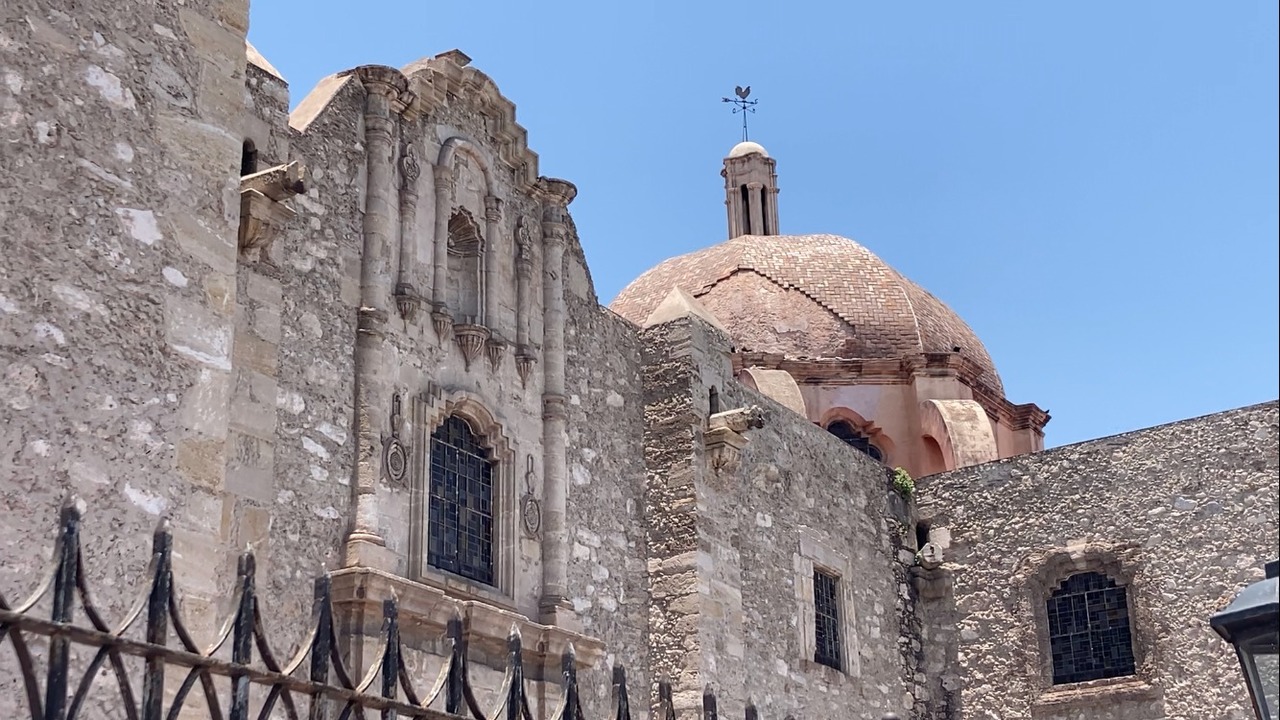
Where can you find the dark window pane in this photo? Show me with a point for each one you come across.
(853, 438)
(827, 619)
(460, 503)
(1089, 635)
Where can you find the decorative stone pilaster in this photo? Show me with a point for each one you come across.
(407, 298)
(444, 189)
(525, 357)
(385, 95)
(492, 236)
(555, 607)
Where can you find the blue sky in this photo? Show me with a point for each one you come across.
(1091, 185)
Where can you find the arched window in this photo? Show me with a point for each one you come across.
(248, 158)
(746, 211)
(1089, 636)
(460, 514)
(850, 435)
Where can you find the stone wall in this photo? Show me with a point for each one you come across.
(414, 352)
(295, 330)
(118, 291)
(732, 553)
(1183, 514)
(607, 569)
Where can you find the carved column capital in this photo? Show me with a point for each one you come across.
(556, 196)
(383, 81)
(492, 208)
(556, 192)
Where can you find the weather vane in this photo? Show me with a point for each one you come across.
(742, 105)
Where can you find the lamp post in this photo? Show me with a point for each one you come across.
(1251, 623)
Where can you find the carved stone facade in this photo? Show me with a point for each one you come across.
(259, 324)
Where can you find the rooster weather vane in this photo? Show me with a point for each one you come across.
(742, 105)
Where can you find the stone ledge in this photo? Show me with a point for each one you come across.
(425, 610)
(1094, 692)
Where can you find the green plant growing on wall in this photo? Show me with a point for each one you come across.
(903, 483)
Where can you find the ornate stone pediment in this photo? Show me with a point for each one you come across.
(448, 80)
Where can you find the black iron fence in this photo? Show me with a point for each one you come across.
(315, 684)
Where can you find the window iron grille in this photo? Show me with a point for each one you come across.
(1089, 633)
(460, 512)
(826, 603)
(855, 439)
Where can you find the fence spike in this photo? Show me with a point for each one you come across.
(515, 666)
(242, 638)
(64, 593)
(752, 713)
(390, 654)
(569, 670)
(709, 711)
(158, 599)
(321, 642)
(622, 703)
(665, 704)
(457, 665)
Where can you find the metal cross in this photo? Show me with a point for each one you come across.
(742, 105)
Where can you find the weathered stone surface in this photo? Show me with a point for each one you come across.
(259, 400)
(1188, 511)
(731, 553)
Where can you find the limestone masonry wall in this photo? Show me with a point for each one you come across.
(118, 289)
(607, 563)
(733, 553)
(263, 361)
(1185, 514)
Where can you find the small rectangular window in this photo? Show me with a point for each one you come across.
(826, 603)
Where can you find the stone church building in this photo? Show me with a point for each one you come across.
(361, 338)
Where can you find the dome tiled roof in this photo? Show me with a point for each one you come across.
(809, 295)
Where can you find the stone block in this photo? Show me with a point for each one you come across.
(202, 462)
(197, 334)
(203, 410)
(253, 353)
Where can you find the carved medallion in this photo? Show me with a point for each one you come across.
(530, 508)
(531, 514)
(395, 461)
(409, 165)
(524, 242)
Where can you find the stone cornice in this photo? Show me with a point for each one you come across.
(901, 371)
(556, 192)
(392, 84)
(425, 610)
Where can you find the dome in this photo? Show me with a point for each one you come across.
(747, 147)
(809, 296)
